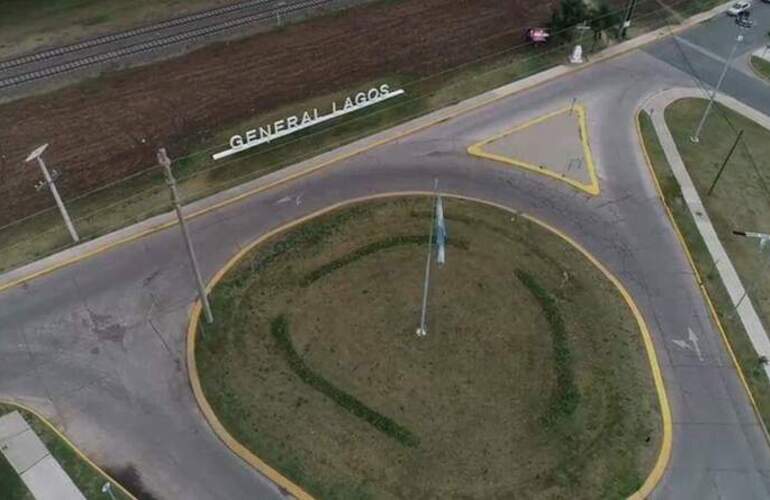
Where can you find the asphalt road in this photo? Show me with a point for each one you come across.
(99, 345)
(703, 50)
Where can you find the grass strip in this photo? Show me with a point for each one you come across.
(737, 338)
(370, 249)
(566, 395)
(11, 485)
(280, 330)
(761, 67)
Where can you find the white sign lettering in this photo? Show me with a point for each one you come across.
(295, 123)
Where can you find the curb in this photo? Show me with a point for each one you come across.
(126, 235)
(752, 323)
(592, 188)
(698, 278)
(247, 456)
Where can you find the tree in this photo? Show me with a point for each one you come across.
(570, 14)
(603, 18)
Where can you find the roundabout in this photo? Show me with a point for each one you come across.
(537, 376)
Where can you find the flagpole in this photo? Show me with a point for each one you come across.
(421, 332)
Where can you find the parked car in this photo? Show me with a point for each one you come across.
(744, 20)
(738, 7)
(537, 36)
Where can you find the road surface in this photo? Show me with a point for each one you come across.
(99, 345)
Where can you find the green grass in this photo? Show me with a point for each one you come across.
(85, 477)
(11, 485)
(761, 67)
(517, 390)
(280, 330)
(737, 195)
(566, 395)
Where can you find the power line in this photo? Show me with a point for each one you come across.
(320, 131)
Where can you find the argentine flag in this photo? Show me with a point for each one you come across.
(441, 234)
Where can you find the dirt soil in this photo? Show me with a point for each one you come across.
(105, 129)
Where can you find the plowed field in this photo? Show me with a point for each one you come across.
(105, 129)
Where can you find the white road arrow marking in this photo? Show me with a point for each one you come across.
(694, 342)
(285, 199)
(691, 344)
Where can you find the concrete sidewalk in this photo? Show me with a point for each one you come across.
(75, 254)
(762, 53)
(29, 457)
(735, 289)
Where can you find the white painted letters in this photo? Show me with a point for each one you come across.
(309, 118)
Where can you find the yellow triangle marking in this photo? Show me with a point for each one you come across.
(591, 187)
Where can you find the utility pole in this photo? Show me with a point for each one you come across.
(696, 137)
(627, 18)
(724, 163)
(279, 7)
(48, 181)
(764, 240)
(171, 183)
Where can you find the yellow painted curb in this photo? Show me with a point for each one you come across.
(591, 188)
(69, 443)
(665, 450)
(699, 279)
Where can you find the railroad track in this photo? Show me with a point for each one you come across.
(52, 62)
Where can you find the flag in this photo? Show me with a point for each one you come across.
(441, 234)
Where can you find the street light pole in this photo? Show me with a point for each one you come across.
(764, 239)
(627, 18)
(107, 490)
(49, 182)
(724, 163)
(164, 162)
(696, 137)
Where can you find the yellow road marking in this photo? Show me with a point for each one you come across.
(69, 443)
(591, 187)
(699, 280)
(665, 450)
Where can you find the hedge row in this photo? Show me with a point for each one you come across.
(566, 397)
(370, 249)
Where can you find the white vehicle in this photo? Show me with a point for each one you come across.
(738, 7)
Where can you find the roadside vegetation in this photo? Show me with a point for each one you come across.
(517, 389)
(144, 194)
(11, 485)
(739, 202)
(86, 478)
(761, 67)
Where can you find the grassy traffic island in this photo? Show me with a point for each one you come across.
(532, 380)
(761, 67)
